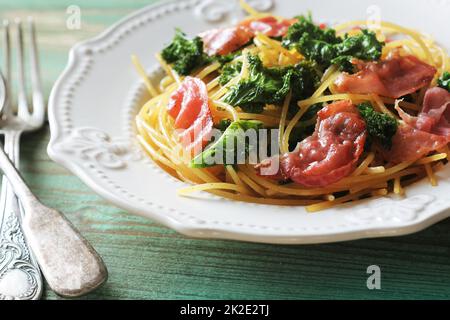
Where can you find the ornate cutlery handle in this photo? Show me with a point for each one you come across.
(20, 278)
(70, 264)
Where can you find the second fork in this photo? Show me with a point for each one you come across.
(20, 277)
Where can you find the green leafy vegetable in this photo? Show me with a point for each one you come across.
(325, 48)
(229, 71)
(363, 46)
(444, 81)
(305, 28)
(223, 60)
(185, 54)
(253, 107)
(313, 42)
(380, 126)
(223, 124)
(272, 85)
(226, 149)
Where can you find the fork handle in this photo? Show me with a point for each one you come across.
(20, 277)
(70, 264)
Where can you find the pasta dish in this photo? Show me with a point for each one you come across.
(285, 111)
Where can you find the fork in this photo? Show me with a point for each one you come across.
(69, 263)
(20, 277)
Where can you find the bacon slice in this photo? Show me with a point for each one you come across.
(270, 26)
(427, 132)
(393, 77)
(225, 41)
(436, 105)
(410, 144)
(189, 106)
(435, 115)
(330, 154)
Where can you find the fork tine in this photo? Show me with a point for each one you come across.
(2, 92)
(22, 102)
(7, 65)
(38, 108)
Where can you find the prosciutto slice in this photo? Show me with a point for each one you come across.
(393, 77)
(427, 132)
(410, 144)
(189, 107)
(330, 154)
(270, 26)
(226, 40)
(435, 114)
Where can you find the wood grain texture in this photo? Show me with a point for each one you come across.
(149, 261)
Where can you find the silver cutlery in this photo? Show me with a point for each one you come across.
(69, 263)
(20, 277)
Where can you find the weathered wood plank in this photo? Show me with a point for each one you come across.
(149, 261)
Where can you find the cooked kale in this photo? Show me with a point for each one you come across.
(185, 54)
(363, 46)
(253, 107)
(229, 71)
(305, 28)
(380, 126)
(272, 85)
(225, 59)
(226, 149)
(223, 124)
(444, 81)
(325, 48)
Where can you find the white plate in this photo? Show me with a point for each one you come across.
(93, 104)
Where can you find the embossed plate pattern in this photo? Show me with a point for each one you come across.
(93, 104)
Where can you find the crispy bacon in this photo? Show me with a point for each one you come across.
(270, 26)
(189, 106)
(410, 144)
(330, 154)
(436, 105)
(435, 115)
(427, 132)
(393, 77)
(225, 41)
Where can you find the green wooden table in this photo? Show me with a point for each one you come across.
(149, 261)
